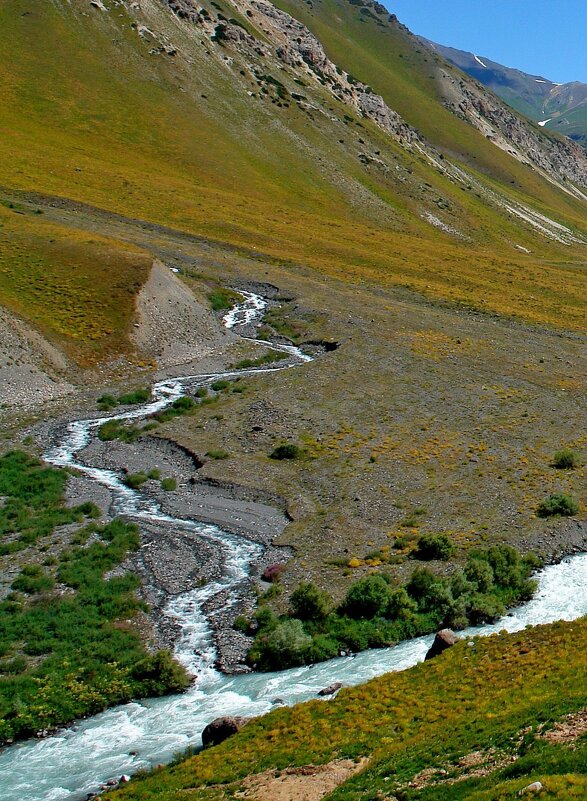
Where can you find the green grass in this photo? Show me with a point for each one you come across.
(70, 654)
(77, 289)
(222, 299)
(33, 505)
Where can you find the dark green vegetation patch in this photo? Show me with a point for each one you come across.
(376, 614)
(66, 654)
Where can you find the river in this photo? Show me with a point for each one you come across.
(124, 739)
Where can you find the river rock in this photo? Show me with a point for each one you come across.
(331, 689)
(535, 787)
(221, 729)
(444, 639)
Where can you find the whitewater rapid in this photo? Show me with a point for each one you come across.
(78, 760)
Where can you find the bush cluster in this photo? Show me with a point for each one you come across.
(558, 505)
(287, 451)
(375, 613)
(106, 402)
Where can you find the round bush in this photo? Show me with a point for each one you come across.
(565, 459)
(558, 504)
(310, 603)
(434, 546)
(367, 598)
(289, 451)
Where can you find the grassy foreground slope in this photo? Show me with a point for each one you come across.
(487, 706)
(178, 140)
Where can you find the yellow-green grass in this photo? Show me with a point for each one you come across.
(106, 125)
(469, 699)
(79, 290)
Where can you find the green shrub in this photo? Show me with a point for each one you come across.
(288, 451)
(183, 404)
(286, 645)
(116, 429)
(367, 598)
(242, 624)
(400, 605)
(33, 579)
(169, 484)
(267, 358)
(565, 459)
(434, 546)
(13, 667)
(480, 574)
(159, 674)
(558, 504)
(154, 474)
(135, 480)
(135, 397)
(106, 402)
(310, 603)
(217, 454)
(220, 385)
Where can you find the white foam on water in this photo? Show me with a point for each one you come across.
(76, 761)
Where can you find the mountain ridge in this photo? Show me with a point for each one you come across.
(560, 107)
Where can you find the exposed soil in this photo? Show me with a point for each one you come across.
(309, 783)
(32, 371)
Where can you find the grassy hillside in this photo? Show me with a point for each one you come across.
(78, 289)
(177, 140)
(488, 707)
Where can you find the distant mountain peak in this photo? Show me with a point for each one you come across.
(561, 107)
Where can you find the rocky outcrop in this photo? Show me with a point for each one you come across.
(297, 46)
(332, 689)
(532, 789)
(558, 157)
(444, 639)
(221, 729)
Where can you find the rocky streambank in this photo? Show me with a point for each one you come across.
(174, 559)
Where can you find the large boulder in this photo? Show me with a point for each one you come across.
(444, 639)
(332, 689)
(221, 729)
(535, 787)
